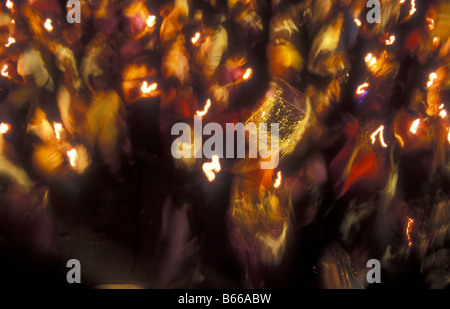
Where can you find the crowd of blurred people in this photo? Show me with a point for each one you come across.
(66, 92)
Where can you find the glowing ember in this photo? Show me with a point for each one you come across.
(443, 113)
(205, 110)
(415, 126)
(433, 77)
(10, 42)
(413, 7)
(409, 230)
(48, 25)
(277, 181)
(9, 4)
(5, 70)
(248, 74)
(4, 128)
(195, 38)
(379, 132)
(151, 21)
(357, 22)
(146, 89)
(391, 40)
(210, 167)
(72, 154)
(362, 89)
(58, 128)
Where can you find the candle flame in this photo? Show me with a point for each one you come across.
(151, 21)
(415, 126)
(357, 22)
(362, 89)
(277, 181)
(48, 25)
(195, 38)
(4, 128)
(409, 227)
(433, 77)
(391, 40)
(9, 4)
(146, 89)
(72, 154)
(248, 74)
(205, 110)
(371, 61)
(210, 167)
(413, 7)
(58, 128)
(379, 132)
(10, 42)
(5, 71)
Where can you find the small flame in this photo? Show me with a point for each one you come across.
(195, 38)
(391, 40)
(13, 21)
(362, 89)
(413, 7)
(443, 113)
(248, 74)
(205, 110)
(441, 106)
(409, 230)
(277, 181)
(48, 25)
(371, 60)
(151, 21)
(58, 128)
(10, 42)
(433, 77)
(415, 126)
(9, 4)
(379, 132)
(431, 23)
(357, 22)
(448, 136)
(402, 1)
(436, 41)
(146, 89)
(210, 167)
(5, 71)
(72, 154)
(4, 128)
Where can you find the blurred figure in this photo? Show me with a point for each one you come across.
(177, 248)
(68, 97)
(175, 61)
(105, 128)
